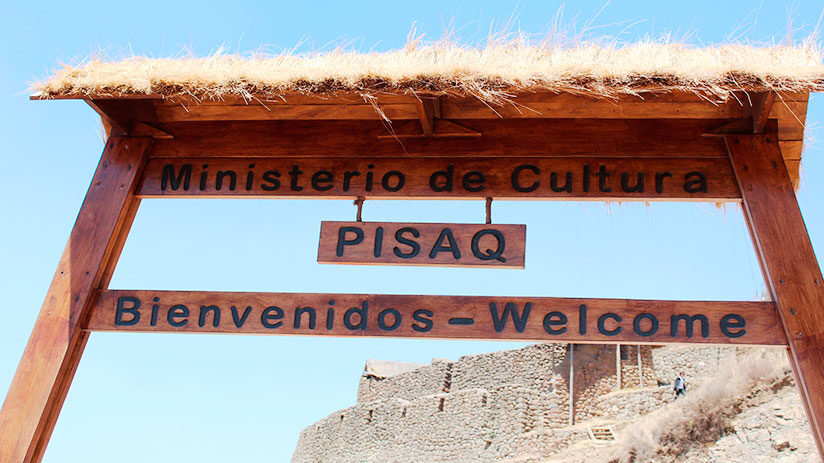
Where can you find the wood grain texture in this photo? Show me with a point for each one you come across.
(500, 137)
(447, 178)
(255, 111)
(762, 104)
(424, 244)
(51, 356)
(788, 261)
(460, 317)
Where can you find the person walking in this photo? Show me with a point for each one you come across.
(680, 385)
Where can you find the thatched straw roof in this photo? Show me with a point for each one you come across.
(488, 73)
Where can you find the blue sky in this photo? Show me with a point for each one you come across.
(140, 397)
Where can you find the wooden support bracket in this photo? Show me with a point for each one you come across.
(762, 104)
(429, 108)
(431, 124)
(128, 117)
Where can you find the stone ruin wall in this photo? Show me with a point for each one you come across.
(427, 380)
(488, 407)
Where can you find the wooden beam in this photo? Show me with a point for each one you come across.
(599, 321)
(590, 178)
(788, 261)
(51, 357)
(618, 367)
(257, 111)
(571, 384)
(762, 104)
(640, 368)
(525, 137)
(441, 129)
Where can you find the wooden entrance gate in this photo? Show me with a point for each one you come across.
(669, 146)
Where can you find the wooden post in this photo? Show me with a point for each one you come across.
(787, 260)
(53, 352)
(640, 373)
(571, 384)
(618, 365)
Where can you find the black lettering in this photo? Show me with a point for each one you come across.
(347, 178)
(659, 180)
(133, 311)
(399, 182)
(362, 312)
(423, 324)
(639, 184)
(510, 309)
(377, 250)
(586, 178)
(447, 174)
(446, 234)
(221, 174)
(416, 248)
(489, 254)
(240, 320)
(293, 178)
(269, 315)
(342, 241)
(382, 320)
(582, 319)
(204, 310)
(271, 179)
(322, 176)
(636, 324)
(330, 318)
(169, 178)
(553, 183)
(176, 312)
(735, 321)
(473, 178)
(689, 324)
(602, 321)
(299, 311)
(155, 308)
(203, 177)
(250, 177)
(699, 185)
(370, 177)
(553, 319)
(516, 178)
(603, 175)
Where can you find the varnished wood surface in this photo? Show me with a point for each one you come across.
(51, 356)
(460, 317)
(424, 244)
(396, 113)
(500, 137)
(471, 178)
(788, 261)
(537, 105)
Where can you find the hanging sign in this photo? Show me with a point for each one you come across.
(428, 244)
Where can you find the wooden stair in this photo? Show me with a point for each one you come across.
(601, 433)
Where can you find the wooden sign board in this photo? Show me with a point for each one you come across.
(701, 179)
(464, 317)
(427, 244)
